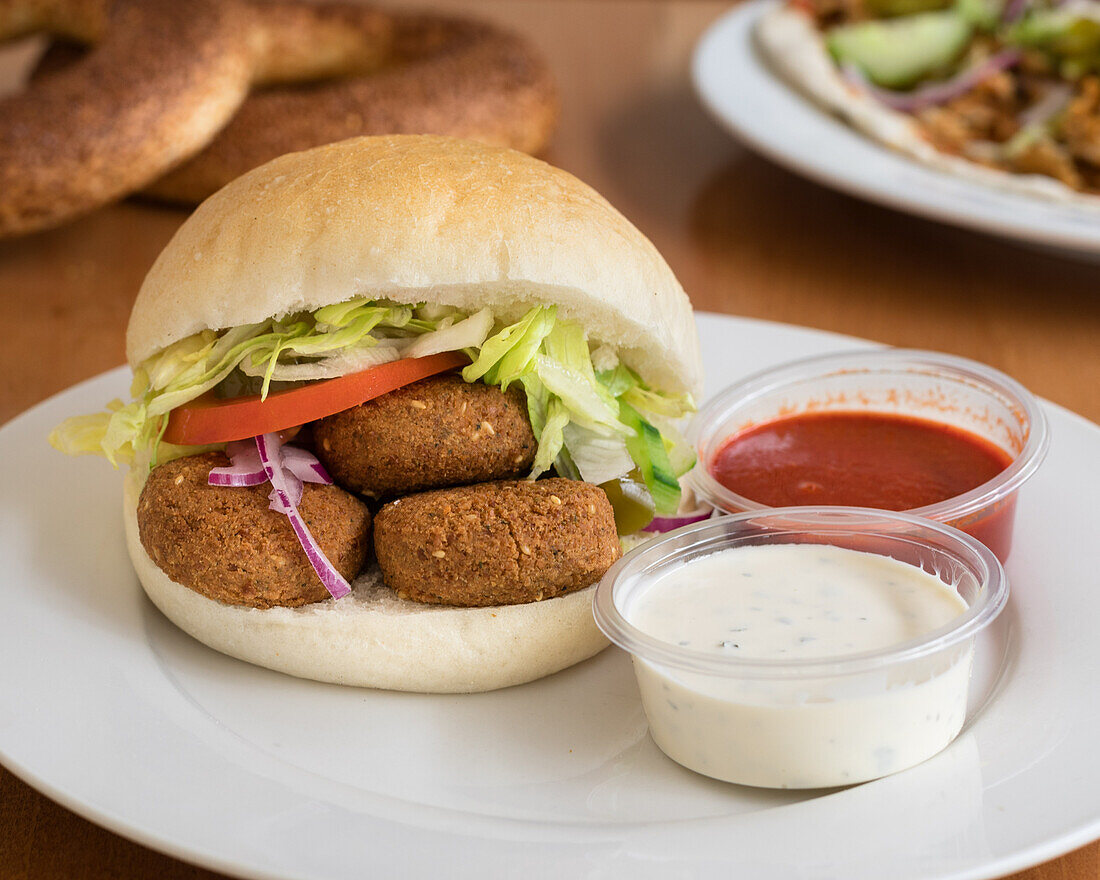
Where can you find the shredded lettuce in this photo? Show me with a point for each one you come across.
(647, 449)
(508, 355)
(91, 434)
(598, 458)
(83, 435)
(587, 401)
(538, 401)
(599, 426)
(467, 333)
(551, 438)
(595, 424)
(617, 380)
(353, 359)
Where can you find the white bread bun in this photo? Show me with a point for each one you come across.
(371, 638)
(414, 218)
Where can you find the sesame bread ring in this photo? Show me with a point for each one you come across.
(438, 75)
(163, 78)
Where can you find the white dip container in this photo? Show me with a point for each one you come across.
(803, 647)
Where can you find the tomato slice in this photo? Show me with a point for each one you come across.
(209, 419)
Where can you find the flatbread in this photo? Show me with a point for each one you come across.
(791, 43)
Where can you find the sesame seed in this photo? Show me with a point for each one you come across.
(538, 598)
(591, 509)
(518, 459)
(439, 554)
(464, 406)
(485, 426)
(325, 445)
(178, 479)
(555, 500)
(419, 404)
(525, 550)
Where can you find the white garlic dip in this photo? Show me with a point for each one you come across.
(763, 726)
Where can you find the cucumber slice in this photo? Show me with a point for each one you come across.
(648, 451)
(1062, 33)
(898, 52)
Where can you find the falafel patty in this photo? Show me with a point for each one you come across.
(437, 432)
(226, 543)
(500, 543)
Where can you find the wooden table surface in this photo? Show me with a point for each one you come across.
(744, 236)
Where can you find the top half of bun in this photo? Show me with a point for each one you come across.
(412, 219)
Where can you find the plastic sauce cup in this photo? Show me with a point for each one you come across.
(807, 722)
(954, 391)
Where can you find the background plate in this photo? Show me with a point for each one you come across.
(758, 107)
(110, 710)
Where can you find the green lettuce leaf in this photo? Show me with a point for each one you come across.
(647, 448)
(508, 355)
(588, 423)
(600, 424)
(551, 438)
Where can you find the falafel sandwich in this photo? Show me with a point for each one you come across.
(395, 402)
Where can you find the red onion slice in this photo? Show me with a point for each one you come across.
(294, 490)
(227, 477)
(669, 523)
(286, 492)
(1048, 106)
(287, 468)
(246, 469)
(935, 93)
(283, 490)
(305, 466)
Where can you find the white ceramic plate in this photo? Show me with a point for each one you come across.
(110, 710)
(758, 107)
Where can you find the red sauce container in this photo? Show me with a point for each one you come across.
(960, 394)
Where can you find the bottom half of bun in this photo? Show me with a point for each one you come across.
(373, 639)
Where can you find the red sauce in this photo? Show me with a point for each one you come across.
(876, 460)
